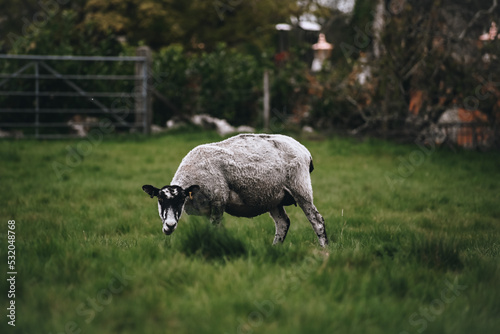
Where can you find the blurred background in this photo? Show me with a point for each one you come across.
(397, 69)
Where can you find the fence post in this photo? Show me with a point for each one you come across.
(143, 105)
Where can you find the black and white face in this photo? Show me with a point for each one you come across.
(171, 201)
(170, 205)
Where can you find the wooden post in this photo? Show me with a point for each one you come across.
(143, 105)
(266, 103)
(385, 111)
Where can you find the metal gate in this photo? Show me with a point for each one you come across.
(31, 107)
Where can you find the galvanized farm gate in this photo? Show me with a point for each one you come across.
(123, 102)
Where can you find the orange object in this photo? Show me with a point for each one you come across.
(416, 101)
(471, 136)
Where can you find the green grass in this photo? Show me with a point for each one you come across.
(416, 254)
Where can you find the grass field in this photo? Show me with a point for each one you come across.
(414, 244)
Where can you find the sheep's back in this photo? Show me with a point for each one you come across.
(256, 167)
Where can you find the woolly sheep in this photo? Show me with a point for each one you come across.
(246, 175)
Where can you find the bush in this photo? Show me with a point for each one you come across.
(224, 83)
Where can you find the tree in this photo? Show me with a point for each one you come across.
(428, 52)
(195, 24)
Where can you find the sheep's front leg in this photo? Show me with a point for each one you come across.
(282, 223)
(216, 213)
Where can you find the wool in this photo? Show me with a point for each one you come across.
(245, 176)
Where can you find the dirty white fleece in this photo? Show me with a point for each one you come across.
(246, 175)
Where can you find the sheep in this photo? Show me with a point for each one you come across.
(245, 176)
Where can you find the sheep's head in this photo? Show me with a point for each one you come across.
(171, 201)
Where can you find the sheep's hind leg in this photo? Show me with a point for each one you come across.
(316, 220)
(282, 223)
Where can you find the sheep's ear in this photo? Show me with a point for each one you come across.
(191, 191)
(150, 190)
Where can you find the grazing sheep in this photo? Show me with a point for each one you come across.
(245, 176)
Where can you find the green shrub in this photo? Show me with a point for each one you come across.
(224, 83)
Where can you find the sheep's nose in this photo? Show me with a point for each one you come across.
(169, 228)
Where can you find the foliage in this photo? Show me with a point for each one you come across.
(429, 47)
(224, 83)
(289, 85)
(90, 254)
(63, 34)
(195, 24)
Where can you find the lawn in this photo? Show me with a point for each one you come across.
(414, 244)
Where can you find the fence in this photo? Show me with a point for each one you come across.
(32, 108)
